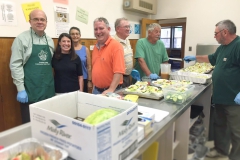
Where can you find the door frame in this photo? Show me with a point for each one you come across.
(146, 22)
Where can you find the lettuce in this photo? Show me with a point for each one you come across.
(100, 116)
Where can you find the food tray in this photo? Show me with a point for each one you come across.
(198, 67)
(163, 83)
(190, 76)
(31, 146)
(178, 93)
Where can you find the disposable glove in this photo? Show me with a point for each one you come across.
(135, 75)
(237, 98)
(22, 97)
(154, 76)
(189, 58)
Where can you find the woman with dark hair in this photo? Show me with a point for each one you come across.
(84, 54)
(67, 66)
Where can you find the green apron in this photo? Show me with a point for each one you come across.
(38, 75)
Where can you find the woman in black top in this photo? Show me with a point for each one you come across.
(67, 66)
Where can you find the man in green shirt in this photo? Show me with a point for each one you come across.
(150, 53)
(30, 64)
(226, 90)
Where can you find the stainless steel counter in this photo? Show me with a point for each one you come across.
(175, 111)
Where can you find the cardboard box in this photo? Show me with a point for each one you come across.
(52, 121)
(146, 121)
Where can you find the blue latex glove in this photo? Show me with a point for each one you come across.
(154, 76)
(189, 58)
(22, 97)
(135, 75)
(237, 99)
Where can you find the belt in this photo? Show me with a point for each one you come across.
(104, 89)
(126, 75)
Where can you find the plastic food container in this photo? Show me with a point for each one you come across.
(178, 93)
(30, 149)
(193, 77)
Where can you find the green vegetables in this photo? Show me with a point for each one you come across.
(176, 98)
(100, 116)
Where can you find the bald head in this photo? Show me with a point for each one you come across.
(38, 21)
(36, 11)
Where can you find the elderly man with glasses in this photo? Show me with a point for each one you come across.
(226, 90)
(30, 64)
(122, 29)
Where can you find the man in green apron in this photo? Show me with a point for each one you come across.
(30, 64)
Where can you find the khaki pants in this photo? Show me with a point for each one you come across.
(227, 130)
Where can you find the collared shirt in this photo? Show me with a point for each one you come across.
(226, 74)
(128, 54)
(106, 61)
(21, 51)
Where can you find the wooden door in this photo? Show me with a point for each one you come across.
(182, 49)
(10, 106)
(144, 24)
(1, 113)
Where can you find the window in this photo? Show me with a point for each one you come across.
(172, 37)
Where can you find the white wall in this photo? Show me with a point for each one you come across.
(202, 15)
(110, 9)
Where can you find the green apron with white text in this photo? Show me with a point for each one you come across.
(38, 75)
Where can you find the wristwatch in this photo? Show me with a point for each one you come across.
(89, 80)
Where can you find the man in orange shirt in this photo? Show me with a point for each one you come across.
(108, 64)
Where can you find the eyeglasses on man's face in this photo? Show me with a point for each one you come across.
(39, 20)
(216, 33)
(125, 27)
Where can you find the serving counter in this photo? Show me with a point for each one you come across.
(172, 133)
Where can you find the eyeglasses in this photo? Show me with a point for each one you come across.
(216, 33)
(126, 27)
(38, 20)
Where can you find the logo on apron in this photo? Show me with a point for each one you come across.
(42, 55)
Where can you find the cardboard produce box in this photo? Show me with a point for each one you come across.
(52, 121)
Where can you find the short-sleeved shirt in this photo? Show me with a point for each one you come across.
(153, 54)
(226, 74)
(107, 61)
(128, 54)
(66, 74)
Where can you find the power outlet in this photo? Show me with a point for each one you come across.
(190, 48)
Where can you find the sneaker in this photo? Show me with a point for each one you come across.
(213, 153)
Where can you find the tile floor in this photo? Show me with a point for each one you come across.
(210, 145)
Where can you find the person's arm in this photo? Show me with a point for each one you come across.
(89, 67)
(203, 58)
(80, 81)
(144, 66)
(80, 74)
(114, 83)
(16, 64)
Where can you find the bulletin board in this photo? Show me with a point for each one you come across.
(63, 14)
